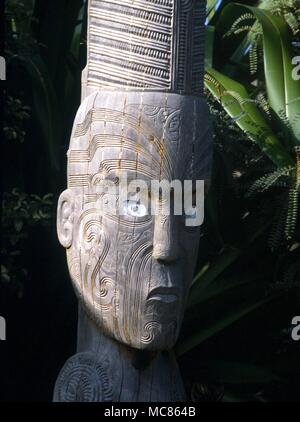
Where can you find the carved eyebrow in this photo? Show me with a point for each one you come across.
(133, 166)
(133, 176)
(110, 176)
(115, 177)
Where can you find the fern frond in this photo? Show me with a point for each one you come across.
(267, 181)
(283, 116)
(263, 103)
(297, 182)
(293, 22)
(241, 19)
(253, 55)
(212, 80)
(245, 28)
(277, 230)
(292, 215)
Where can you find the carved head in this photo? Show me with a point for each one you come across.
(132, 270)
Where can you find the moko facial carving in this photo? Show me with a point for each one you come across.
(132, 272)
(131, 215)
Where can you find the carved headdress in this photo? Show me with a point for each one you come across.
(146, 45)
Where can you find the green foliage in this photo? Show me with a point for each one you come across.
(288, 9)
(248, 269)
(20, 212)
(243, 109)
(280, 110)
(43, 92)
(240, 284)
(16, 114)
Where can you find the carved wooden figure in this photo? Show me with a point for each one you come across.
(143, 117)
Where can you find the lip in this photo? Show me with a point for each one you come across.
(164, 294)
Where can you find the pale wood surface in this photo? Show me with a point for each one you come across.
(132, 274)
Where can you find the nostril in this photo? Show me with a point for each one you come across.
(159, 254)
(164, 254)
(165, 240)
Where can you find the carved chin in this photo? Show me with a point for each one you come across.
(153, 337)
(154, 334)
(159, 336)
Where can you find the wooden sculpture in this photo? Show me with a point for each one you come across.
(143, 117)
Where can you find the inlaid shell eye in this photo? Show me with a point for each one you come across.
(134, 209)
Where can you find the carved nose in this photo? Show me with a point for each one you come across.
(165, 241)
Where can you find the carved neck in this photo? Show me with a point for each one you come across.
(135, 375)
(104, 370)
(146, 45)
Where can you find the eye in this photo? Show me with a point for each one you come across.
(134, 208)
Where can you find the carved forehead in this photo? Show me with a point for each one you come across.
(140, 132)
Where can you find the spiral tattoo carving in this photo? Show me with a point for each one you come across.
(83, 379)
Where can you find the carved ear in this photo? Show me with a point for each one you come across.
(65, 218)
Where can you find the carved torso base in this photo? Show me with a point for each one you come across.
(105, 371)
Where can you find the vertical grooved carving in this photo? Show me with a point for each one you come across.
(146, 44)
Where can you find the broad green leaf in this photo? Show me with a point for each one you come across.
(219, 287)
(236, 101)
(211, 271)
(203, 280)
(212, 7)
(283, 90)
(219, 325)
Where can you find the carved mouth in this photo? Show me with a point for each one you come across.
(164, 294)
